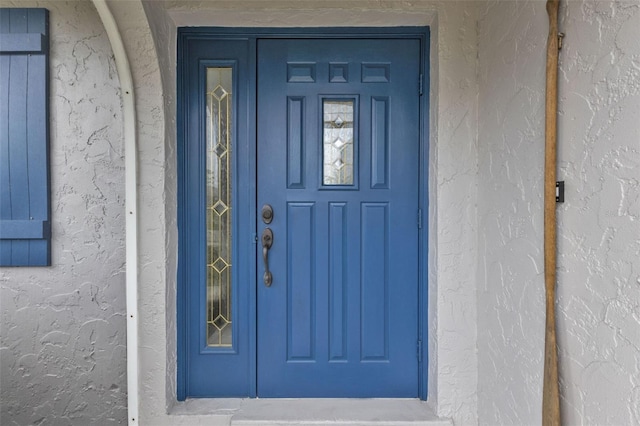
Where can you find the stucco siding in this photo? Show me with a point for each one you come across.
(156, 233)
(62, 339)
(598, 228)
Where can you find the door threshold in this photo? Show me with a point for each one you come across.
(307, 412)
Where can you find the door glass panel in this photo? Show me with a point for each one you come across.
(218, 188)
(337, 142)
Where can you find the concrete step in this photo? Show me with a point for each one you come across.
(307, 412)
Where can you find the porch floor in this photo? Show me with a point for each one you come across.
(307, 412)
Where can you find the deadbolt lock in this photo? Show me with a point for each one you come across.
(267, 214)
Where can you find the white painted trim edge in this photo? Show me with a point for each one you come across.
(131, 203)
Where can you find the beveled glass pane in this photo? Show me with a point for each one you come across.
(337, 143)
(218, 189)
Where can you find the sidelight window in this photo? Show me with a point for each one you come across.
(218, 188)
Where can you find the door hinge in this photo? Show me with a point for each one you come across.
(420, 85)
(419, 350)
(419, 218)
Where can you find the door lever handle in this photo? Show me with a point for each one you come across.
(267, 242)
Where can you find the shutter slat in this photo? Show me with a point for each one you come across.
(40, 250)
(18, 160)
(18, 23)
(37, 21)
(37, 151)
(5, 21)
(37, 132)
(5, 196)
(18, 179)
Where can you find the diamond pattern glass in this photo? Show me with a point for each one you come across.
(337, 142)
(218, 188)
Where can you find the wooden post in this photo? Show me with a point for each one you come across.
(551, 392)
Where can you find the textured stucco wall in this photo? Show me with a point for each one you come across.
(598, 225)
(165, 36)
(62, 338)
(155, 262)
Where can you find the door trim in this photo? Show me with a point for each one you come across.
(251, 35)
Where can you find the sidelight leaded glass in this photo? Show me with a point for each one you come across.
(218, 214)
(337, 143)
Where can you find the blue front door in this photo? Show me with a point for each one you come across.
(338, 163)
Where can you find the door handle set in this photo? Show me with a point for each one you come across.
(267, 242)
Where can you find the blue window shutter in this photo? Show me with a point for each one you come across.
(25, 209)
